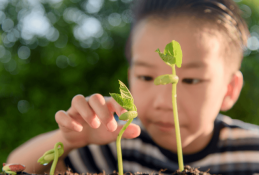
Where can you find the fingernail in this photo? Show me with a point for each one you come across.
(112, 126)
(95, 123)
(78, 128)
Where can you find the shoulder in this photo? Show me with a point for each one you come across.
(233, 129)
(236, 148)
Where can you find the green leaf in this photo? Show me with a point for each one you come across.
(125, 93)
(168, 59)
(169, 49)
(124, 99)
(178, 54)
(126, 103)
(166, 79)
(117, 98)
(172, 54)
(128, 115)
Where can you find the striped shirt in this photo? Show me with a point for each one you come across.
(233, 150)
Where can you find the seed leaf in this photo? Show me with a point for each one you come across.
(128, 115)
(166, 79)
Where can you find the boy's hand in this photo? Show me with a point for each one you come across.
(90, 120)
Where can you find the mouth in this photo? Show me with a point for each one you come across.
(164, 127)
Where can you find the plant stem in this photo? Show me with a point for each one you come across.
(118, 145)
(55, 161)
(176, 123)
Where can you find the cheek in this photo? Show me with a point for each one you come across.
(142, 99)
(139, 98)
(199, 105)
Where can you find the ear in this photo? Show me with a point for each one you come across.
(233, 91)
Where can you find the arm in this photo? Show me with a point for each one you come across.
(76, 129)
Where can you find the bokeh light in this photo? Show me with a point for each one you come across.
(24, 52)
(114, 19)
(93, 6)
(23, 106)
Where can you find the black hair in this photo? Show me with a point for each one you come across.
(221, 12)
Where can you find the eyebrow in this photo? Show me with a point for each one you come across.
(193, 65)
(140, 63)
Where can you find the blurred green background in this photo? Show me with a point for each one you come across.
(51, 50)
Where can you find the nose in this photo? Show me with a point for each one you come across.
(163, 97)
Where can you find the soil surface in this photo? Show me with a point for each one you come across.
(188, 170)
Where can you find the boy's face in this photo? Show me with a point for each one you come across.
(201, 88)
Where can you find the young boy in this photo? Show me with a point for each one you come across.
(212, 35)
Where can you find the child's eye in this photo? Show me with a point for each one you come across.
(191, 81)
(145, 78)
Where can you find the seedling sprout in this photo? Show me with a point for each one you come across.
(124, 99)
(12, 168)
(173, 56)
(8, 170)
(52, 154)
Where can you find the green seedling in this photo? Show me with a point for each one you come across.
(52, 154)
(12, 168)
(7, 170)
(173, 56)
(124, 99)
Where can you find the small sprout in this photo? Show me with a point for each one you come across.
(173, 56)
(166, 79)
(124, 99)
(128, 115)
(52, 154)
(12, 168)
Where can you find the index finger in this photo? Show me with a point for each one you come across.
(114, 106)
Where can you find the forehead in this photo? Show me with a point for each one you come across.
(199, 44)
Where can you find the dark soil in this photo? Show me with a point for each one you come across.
(188, 170)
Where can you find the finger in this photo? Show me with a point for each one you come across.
(81, 106)
(66, 123)
(99, 106)
(114, 106)
(132, 131)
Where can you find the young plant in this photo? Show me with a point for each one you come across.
(124, 99)
(12, 168)
(173, 56)
(52, 154)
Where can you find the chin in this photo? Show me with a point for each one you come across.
(167, 140)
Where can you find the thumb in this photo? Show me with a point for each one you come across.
(132, 131)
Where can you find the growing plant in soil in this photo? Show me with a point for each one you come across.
(12, 168)
(172, 56)
(126, 100)
(50, 155)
